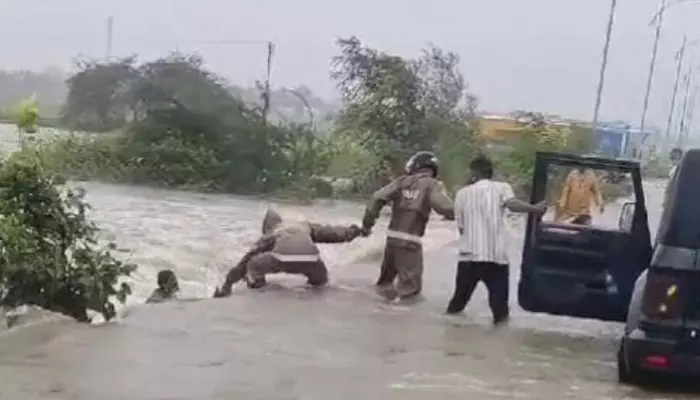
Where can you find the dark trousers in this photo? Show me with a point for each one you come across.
(496, 277)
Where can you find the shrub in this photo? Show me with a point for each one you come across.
(50, 254)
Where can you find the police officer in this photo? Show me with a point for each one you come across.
(413, 195)
(290, 248)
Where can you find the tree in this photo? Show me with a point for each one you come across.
(98, 95)
(381, 94)
(397, 106)
(50, 254)
(538, 133)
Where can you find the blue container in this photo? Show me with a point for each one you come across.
(611, 141)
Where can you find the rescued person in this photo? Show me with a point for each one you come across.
(168, 287)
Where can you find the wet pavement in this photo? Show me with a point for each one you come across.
(290, 342)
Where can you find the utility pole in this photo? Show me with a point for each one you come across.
(652, 65)
(110, 29)
(689, 116)
(679, 58)
(267, 93)
(684, 109)
(604, 64)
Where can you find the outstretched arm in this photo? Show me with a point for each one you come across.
(379, 199)
(265, 243)
(334, 233)
(459, 215)
(235, 274)
(518, 206)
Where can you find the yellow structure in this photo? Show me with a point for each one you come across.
(499, 129)
(506, 129)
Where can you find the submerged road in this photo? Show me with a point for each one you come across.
(289, 342)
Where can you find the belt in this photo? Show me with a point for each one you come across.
(296, 257)
(409, 237)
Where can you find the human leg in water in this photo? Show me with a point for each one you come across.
(409, 268)
(259, 266)
(317, 274)
(387, 276)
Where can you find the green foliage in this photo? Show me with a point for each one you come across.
(50, 254)
(396, 106)
(28, 115)
(182, 128)
(517, 163)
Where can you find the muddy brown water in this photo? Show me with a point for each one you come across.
(289, 342)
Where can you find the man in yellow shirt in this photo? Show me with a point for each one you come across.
(580, 191)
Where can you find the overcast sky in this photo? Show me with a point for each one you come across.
(516, 54)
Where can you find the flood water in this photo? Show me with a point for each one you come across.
(289, 342)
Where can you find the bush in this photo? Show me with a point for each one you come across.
(50, 254)
(83, 157)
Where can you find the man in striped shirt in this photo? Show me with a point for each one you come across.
(480, 213)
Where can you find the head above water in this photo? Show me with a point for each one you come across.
(480, 168)
(289, 217)
(422, 161)
(271, 220)
(167, 281)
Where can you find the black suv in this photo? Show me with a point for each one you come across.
(662, 332)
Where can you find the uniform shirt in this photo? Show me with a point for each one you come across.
(480, 214)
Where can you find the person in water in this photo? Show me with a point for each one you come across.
(580, 191)
(413, 196)
(481, 215)
(167, 287)
(290, 248)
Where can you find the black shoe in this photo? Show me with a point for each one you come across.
(222, 292)
(500, 321)
(387, 292)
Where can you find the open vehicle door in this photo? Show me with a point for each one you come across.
(585, 270)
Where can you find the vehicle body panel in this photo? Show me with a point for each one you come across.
(671, 332)
(565, 267)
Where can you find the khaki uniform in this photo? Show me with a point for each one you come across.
(580, 190)
(412, 197)
(289, 248)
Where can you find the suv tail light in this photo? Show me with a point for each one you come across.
(662, 299)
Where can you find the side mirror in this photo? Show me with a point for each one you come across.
(626, 216)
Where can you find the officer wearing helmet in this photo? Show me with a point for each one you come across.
(413, 195)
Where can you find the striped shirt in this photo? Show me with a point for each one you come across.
(480, 214)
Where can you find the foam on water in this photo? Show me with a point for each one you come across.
(201, 236)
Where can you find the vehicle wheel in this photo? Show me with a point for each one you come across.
(623, 371)
(626, 373)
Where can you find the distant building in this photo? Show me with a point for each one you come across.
(612, 139)
(504, 129)
(618, 139)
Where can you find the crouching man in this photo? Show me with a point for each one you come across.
(289, 248)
